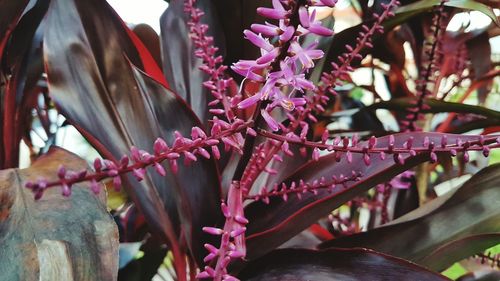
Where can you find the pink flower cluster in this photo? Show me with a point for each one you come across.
(282, 66)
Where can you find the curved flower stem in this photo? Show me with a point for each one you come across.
(474, 146)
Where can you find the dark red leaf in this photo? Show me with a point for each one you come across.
(450, 228)
(116, 106)
(334, 264)
(272, 224)
(180, 65)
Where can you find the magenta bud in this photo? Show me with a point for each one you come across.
(211, 142)
(135, 154)
(139, 174)
(160, 170)
(349, 156)
(251, 132)
(212, 249)
(66, 190)
(190, 156)
(215, 152)
(225, 210)
(345, 142)
(209, 257)
(372, 142)
(315, 154)
(173, 155)
(61, 172)
(159, 146)
(97, 165)
(124, 161)
(213, 230)
(453, 152)
(203, 152)
(366, 159)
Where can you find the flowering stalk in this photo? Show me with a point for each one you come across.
(484, 144)
(284, 191)
(211, 64)
(316, 102)
(190, 148)
(426, 80)
(330, 80)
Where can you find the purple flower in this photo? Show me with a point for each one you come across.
(266, 29)
(305, 56)
(287, 76)
(307, 21)
(246, 68)
(277, 12)
(273, 124)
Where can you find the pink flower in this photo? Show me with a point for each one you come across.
(273, 124)
(307, 21)
(305, 56)
(277, 12)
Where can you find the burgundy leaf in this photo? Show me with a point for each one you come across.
(116, 106)
(274, 223)
(180, 65)
(452, 227)
(334, 264)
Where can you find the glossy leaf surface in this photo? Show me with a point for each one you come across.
(335, 264)
(273, 224)
(117, 106)
(452, 227)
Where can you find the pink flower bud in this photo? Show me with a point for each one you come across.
(159, 146)
(213, 230)
(97, 165)
(159, 169)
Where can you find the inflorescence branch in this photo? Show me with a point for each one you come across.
(426, 80)
(190, 148)
(284, 191)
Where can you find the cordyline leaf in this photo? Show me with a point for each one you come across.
(274, 223)
(55, 238)
(234, 17)
(10, 12)
(180, 65)
(116, 106)
(436, 106)
(443, 231)
(334, 264)
(24, 60)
